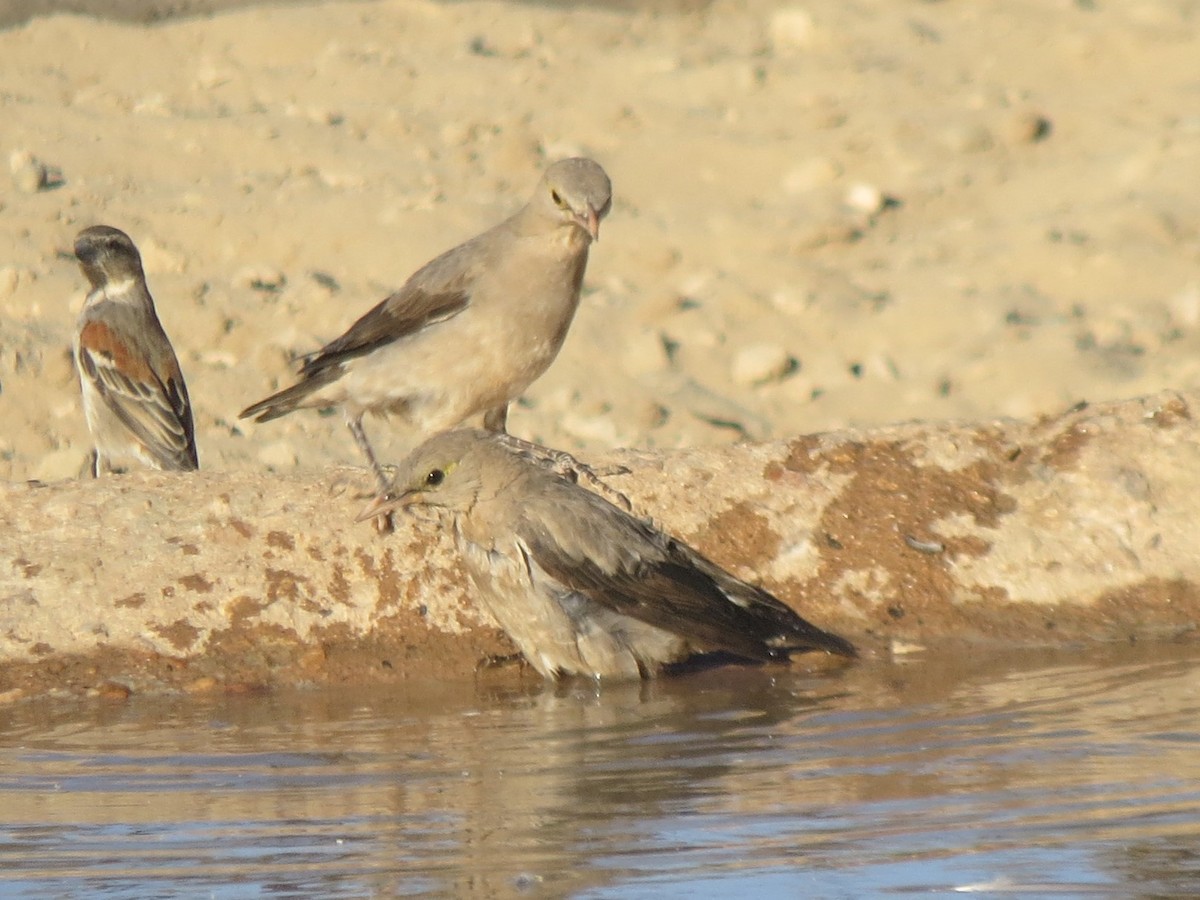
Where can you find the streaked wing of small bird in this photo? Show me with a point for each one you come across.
(148, 397)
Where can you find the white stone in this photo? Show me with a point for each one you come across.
(791, 29)
(761, 363)
(1184, 306)
(10, 277)
(645, 353)
(28, 174)
(866, 198)
(157, 259)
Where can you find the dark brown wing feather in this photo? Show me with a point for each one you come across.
(403, 313)
(407, 311)
(632, 568)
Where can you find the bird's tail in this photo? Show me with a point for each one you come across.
(785, 631)
(289, 399)
(803, 636)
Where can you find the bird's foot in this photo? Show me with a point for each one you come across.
(344, 483)
(496, 661)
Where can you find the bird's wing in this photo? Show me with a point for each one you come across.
(596, 550)
(629, 566)
(147, 395)
(438, 291)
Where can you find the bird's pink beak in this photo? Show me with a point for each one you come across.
(385, 503)
(590, 223)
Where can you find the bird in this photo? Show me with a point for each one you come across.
(582, 587)
(134, 396)
(470, 330)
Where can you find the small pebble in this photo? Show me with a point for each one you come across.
(761, 363)
(28, 173)
(1027, 127)
(866, 198)
(112, 690)
(1183, 306)
(645, 353)
(158, 259)
(791, 29)
(264, 278)
(10, 278)
(808, 236)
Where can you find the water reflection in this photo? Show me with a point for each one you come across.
(1023, 774)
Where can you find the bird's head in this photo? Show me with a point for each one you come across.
(445, 472)
(576, 191)
(107, 255)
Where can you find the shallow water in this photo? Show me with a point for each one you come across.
(1072, 774)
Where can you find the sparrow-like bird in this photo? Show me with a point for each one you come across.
(134, 398)
(470, 330)
(581, 586)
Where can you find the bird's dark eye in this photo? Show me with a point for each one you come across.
(434, 477)
(557, 198)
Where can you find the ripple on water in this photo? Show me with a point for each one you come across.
(1019, 774)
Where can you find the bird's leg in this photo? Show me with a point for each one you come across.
(91, 465)
(354, 423)
(566, 465)
(497, 419)
(383, 523)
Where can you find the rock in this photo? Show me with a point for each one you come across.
(157, 259)
(1063, 529)
(29, 174)
(10, 277)
(791, 29)
(866, 199)
(1184, 306)
(812, 234)
(1027, 127)
(761, 363)
(262, 277)
(645, 352)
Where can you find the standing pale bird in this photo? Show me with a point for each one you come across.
(134, 398)
(470, 330)
(581, 586)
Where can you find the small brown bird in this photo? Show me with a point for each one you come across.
(470, 330)
(581, 586)
(134, 398)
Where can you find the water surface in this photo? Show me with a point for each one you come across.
(1071, 774)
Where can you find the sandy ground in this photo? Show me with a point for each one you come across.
(826, 214)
